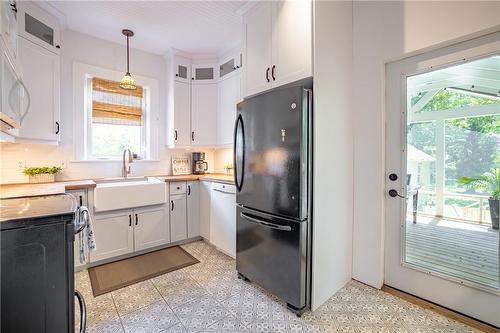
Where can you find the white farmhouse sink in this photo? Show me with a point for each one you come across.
(121, 193)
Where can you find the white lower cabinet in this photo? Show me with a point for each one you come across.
(178, 217)
(114, 235)
(223, 218)
(151, 227)
(205, 188)
(126, 231)
(193, 209)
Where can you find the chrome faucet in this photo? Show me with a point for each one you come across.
(125, 169)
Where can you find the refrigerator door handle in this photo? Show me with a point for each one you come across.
(83, 311)
(265, 223)
(239, 121)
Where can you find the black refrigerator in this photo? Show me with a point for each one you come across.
(273, 178)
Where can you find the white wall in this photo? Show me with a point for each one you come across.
(333, 149)
(382, 32)
(89, 50)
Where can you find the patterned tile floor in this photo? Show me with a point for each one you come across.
(208, 297)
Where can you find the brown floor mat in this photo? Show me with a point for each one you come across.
(122, 273)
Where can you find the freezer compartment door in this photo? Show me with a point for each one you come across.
(271, 152)
(272, 252)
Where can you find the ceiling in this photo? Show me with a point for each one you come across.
(481, 76)
(201, 27)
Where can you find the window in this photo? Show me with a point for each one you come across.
(108, 119)
(116, 119)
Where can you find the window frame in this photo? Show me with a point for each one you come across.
(82, 100)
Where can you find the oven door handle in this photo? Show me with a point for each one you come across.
(265, 223)
(83, 311)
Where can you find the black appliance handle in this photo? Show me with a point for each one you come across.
(83, 311)
(239, 120)
(265, 223)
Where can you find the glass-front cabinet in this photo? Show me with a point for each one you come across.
(230, 64)
(182, 69)
(203, 73)
(38, 27)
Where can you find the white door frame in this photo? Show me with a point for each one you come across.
(454, 294)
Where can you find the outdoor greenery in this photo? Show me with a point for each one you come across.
(41, 170)
(489, 182)
(472, 145)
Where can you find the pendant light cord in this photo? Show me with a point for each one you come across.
(128, 60)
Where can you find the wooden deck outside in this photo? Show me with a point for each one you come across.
(461, 250)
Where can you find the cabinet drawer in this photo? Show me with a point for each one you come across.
(226, 188)
(177, 188)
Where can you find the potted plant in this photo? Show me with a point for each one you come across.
(41, 174)
(489, 181)
(229, 168)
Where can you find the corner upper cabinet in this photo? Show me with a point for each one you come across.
(182, 69)
(204, 114)
(278, 44)
(229, 97)
(203, 73)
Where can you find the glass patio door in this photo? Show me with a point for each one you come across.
(443, 177)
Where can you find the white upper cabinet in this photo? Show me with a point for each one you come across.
(229, 96)
(203, 114)
(182, 69)
(8, 26)
(180, 118)
(203, 73)
(257, 47)
(38, 26)
(277, 44)
(292, 41)
(40, 69)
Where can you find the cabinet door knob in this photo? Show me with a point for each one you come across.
(58, 46)
(176, 74)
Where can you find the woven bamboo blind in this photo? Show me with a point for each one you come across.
(114, 105)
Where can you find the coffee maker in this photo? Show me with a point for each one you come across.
(200, 166)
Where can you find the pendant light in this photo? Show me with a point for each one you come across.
(127, 81)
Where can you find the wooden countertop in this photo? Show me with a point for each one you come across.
(34, 190)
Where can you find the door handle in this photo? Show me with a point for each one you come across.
(57, 126)
(172, 205)
(393, 193)
(189, 189)
(265, 223)
(239, 121)
(272, 73)
(267, 75)
(83, 311)
(192, 136)
(175, 135)
(136, 219)
(129, 220)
